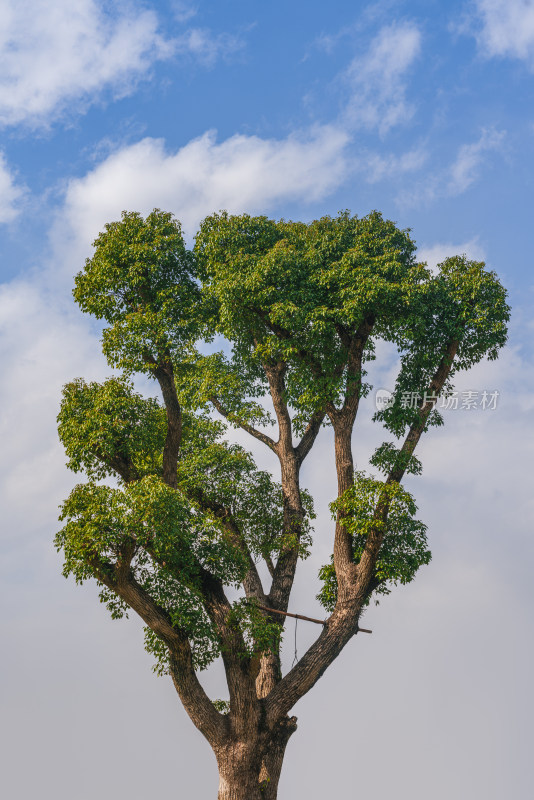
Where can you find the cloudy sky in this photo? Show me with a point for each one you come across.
(423, 110)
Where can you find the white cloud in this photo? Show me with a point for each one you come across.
(380, 167)
(183, 11)
(377, 79)
(59, 56)
(436, 253)
(43, 343)
(242, 173)
(455, 179)
(57, 53)
(206, 47)
(10, 193)
(465, 169)
(507, 28)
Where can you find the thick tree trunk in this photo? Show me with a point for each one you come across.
(239, 772)
(251, 770)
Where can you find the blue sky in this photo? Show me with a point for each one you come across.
(422, 110)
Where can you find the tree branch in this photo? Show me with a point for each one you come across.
(275, 375)
(309, 436)
(262, 437)
(284, 572)
(252, 582)
(240, 675)
(121, 579)
(414, 434)
(343, 623)
(196, 702)
(339, 629)
(164, 374)
(233, 647)
(366, 566)
(354, 365)
(122, 465)
(343, 423)
(283, 333)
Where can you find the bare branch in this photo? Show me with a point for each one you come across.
(339, 629)
(233, 418)
(309, 436)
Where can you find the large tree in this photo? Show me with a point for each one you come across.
(177, 523)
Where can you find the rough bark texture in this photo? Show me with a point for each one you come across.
(239, 765)
(250, 767)
(274, 757)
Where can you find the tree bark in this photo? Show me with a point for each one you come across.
(343, 554)
(239, 769)
(274, 758)
(250, 767)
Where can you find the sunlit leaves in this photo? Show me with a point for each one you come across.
(297, 293)
(169, 544)
(108, 426)
(260, 633)
(235, 383)
(101, 521)
(464, 303)
(141, 281)
(305, 303)
(404, 543)
(387, 458)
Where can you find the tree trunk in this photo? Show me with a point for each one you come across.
(251, 770)
(274, 758)
(239, 771)
(343, 555)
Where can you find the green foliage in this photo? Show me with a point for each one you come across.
(388, 457)
(141, 280)
(260, 633)
(225, 475)
(463, 301)
(222, 706)
(103, 423)
(236, 385)
(284, 294)
(169, 541)
(174, 532)
(404, 544)
(285, 291)
(101, 521)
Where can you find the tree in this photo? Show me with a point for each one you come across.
(188, 518)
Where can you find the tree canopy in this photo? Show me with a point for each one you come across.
(174, 519)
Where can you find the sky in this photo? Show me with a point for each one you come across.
(422, 110)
